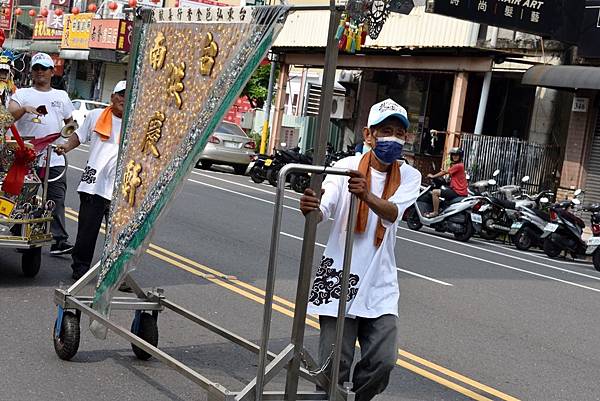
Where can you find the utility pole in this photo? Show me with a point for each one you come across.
(267, 106)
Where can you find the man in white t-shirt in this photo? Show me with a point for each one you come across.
(102, 130)
(40, 111)
(385, 188)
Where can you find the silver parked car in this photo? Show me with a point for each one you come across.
(228, 145)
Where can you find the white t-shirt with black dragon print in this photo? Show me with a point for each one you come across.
(98, 178)
(373, 290)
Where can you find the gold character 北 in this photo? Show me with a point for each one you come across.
(158, 52)
(153, 134)
(174, 82)
(209, 52)
(131, 181)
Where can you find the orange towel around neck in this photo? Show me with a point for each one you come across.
(392, 182)
(104, 124)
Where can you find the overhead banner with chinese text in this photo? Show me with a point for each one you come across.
(76, 32)
(189, 66)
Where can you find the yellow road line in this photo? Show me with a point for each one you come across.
(222, 280)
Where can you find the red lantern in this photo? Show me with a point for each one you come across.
(58, 12)
(32, 13)
(112, 5)
(44, 12)
(176, 3)
(75, 10)
(92, 8)
(132, 3)
(18, 11)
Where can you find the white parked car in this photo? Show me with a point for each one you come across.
(83, 107)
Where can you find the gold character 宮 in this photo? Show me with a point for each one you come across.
(209, 52)
(153, 134)
(158, 52)
(174, 82)
(131, 181)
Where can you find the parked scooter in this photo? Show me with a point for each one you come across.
(283, 157)
(527, 231)
(453, 217)
(565, 231)
(259, 166)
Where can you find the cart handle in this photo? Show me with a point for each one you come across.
(58, 177)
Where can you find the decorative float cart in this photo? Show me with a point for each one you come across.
(25, 214)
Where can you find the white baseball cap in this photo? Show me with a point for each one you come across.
(120, 86)
(42, 59)
(387, 108)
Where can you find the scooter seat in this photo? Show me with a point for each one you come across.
(542, 214)
(456, 200)
(506, 203)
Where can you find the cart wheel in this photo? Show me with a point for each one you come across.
(147, 330)
(31, 261)
(67, 343)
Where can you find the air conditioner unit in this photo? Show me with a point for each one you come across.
(248, 120)
(347, 76)
(342, 107)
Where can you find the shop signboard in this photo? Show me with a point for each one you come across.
(54, 21)
(551, 19)
(62, 3)
(589, 40)
(41, 31)
(6, 19)
(111, 34)
(76, 31)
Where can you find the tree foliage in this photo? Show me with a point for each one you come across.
(257, 87)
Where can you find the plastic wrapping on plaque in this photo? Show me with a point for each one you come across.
(189, 66)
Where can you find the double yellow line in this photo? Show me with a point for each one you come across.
(439, 374)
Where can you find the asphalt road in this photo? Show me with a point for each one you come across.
(478, 321)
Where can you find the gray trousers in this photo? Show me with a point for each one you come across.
(378, 349)
(56, 192)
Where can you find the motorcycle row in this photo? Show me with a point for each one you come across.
(266, 167)
(507, 211)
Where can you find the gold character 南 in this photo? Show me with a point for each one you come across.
(158, 52)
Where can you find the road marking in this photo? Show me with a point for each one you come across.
(505, 255)
(501, 264)
(72, 214)
(397, 268)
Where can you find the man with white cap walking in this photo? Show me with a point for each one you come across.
(102, 130)
(385, 188)
(40, 111)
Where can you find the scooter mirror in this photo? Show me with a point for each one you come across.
(544, 200)
(525, 179)
(492, 182)
(496, 172)
(576, 201)
(577, 192)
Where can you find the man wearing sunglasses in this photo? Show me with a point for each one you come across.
(40, 111)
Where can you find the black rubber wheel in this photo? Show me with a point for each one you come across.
(257, 174)
(240, 169)
(148, 331)
(67, 343)
(272, 176)
(596, 259)
(31, 260)
(551, 249)
(467, 234)
(523, 239)
(412, 219)
(205, 164)
(299, 182)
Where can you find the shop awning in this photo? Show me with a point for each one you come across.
(69, 54)
(18, 45)
(563, 77)
(45, 46)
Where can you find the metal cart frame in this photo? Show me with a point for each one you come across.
(293, 356)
